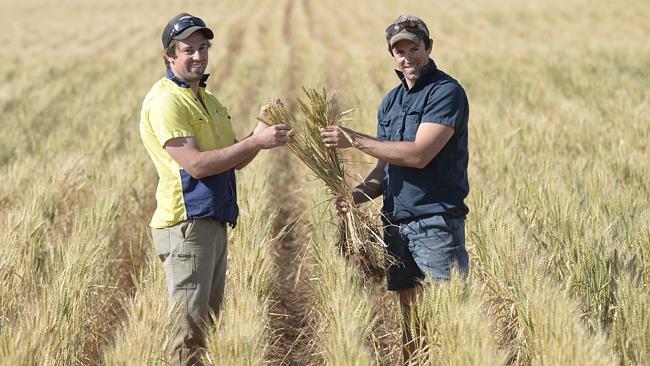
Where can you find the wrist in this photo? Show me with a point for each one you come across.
(356, 141)
(255, 142)
(353, 141)
(349, 136)
(357, 195)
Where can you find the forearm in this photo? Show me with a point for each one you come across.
(365, 192)
(202, 164)
(246, 160)
(371, 187)
(402, 153)
(211, 162)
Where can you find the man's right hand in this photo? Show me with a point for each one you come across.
(333, 136)
(270, 136)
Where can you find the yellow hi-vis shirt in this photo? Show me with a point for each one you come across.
(171, 110)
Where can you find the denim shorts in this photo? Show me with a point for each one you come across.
(425, 249)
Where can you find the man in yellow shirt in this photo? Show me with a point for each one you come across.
(189, 137)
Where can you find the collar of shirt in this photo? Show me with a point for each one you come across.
(183, 84)
(427, 73)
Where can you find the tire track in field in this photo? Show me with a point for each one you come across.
(385, 334)
(291, 305)
(290, 310)
(333, 72)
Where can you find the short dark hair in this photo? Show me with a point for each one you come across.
(427, 42)
(171, 50)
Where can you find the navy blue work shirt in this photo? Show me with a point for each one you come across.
(442, 185)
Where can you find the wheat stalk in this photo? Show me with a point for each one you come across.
(359, 240)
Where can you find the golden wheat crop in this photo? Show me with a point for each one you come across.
(558, 230)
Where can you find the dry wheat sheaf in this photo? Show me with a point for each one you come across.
(358, 237)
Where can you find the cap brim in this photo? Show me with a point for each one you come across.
(404, 35)
(186, 33)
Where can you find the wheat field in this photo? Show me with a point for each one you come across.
(559, 223)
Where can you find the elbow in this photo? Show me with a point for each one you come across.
(410, 163)
(416, 158)
(198, 176)
(241, 165)
(196, 172)
(419, 162)
(422, 159)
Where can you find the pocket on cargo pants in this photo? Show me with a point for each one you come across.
(178, 261)
(182, 261)
(182, 269)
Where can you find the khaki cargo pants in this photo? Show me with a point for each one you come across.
(194, 254)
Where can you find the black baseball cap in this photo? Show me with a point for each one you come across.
(182, 26)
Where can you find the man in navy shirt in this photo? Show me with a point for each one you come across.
(421, 147)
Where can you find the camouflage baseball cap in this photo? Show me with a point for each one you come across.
(407, 27)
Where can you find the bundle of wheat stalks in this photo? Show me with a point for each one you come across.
(359, 240)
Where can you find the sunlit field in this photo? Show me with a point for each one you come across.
(559, 223)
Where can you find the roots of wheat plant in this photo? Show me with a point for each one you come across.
(359, 241)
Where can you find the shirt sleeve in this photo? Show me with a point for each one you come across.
(381, 131)
(381, 125)
(447, 105)
(169, 119)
